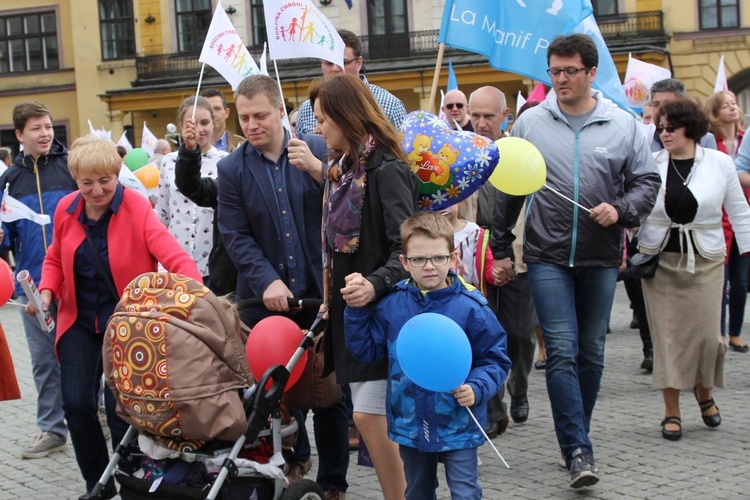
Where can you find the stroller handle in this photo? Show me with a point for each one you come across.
(292, 301)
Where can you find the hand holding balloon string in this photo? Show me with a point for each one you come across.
(435, 354)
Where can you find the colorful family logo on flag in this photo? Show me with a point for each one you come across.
(224, 50)
(450, 165)
(11, 210)
(299, 29)
(639, 76)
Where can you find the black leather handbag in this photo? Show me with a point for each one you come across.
(643, 265)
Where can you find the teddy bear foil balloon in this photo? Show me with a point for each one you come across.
(450, 165)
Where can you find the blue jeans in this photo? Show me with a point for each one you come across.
(735, 278)
(573, 306)
(461, 473)
(46, 371)
(80, 352)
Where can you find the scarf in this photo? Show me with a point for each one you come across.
(342, 210)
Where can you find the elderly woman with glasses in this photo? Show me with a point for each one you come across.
(683, 299)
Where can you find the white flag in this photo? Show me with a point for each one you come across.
(263, 61)
(298, 29)
(128, 179)
(124, 142)
(224, 51)
(721, 77)
(101, 134)
(520, 101)
(148, 140)
(639, 76)
(12, 210)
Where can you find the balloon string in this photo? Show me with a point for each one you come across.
(12, 302)
(558, 193)
(486, 437)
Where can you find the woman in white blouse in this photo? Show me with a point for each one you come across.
(190, 224)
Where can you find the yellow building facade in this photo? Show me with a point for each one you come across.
(120, 63)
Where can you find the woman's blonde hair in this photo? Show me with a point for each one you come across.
(713, 108)
(92, 155)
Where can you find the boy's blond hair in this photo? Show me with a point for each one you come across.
(92, 155)
(431, 225)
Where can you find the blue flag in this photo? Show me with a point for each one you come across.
(514, 36)
(452, 81)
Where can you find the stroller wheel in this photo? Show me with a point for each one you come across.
(304, 489)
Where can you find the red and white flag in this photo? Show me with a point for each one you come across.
(298, 29)
(721, 77)
(224, 50)
(12, 210)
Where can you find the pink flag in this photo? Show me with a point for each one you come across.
(538, 94)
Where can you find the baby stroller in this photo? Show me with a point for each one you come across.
(222, 473)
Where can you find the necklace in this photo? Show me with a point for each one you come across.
(684, 179)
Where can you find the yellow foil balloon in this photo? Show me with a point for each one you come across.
(521, 169)
(148, 175)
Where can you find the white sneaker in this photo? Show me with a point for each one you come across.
(44, 444)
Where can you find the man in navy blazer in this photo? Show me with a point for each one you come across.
(270, 212)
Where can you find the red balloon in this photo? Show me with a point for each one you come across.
(273, 342)
(7, 282)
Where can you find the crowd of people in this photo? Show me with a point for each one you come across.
(329, 210)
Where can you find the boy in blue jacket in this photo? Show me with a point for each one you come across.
(429, 426)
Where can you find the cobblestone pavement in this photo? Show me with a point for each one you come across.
(634, 460)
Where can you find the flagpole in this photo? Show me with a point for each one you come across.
(433, 90)
(281, 93)
(197, 91)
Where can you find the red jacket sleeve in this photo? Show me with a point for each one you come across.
(484, 260)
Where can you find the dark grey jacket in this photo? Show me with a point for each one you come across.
(607, 161)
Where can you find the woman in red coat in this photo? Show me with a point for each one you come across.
(105, 235)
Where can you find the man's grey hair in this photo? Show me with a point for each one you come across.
(162, 146)
(671, 85)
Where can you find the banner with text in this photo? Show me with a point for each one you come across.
(514, 36)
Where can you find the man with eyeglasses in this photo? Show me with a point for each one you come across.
(456, 109)
(667, 90)
(597, 157)
(392, 106)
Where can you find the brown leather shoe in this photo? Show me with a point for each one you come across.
(294, 471)
(335, 495)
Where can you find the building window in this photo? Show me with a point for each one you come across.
(28, 42)
(259, 23)
(117, 32)
(388, 29)
(193, 20)
(604, 7)
(715, 14)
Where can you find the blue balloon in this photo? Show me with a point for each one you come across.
(434, 352)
